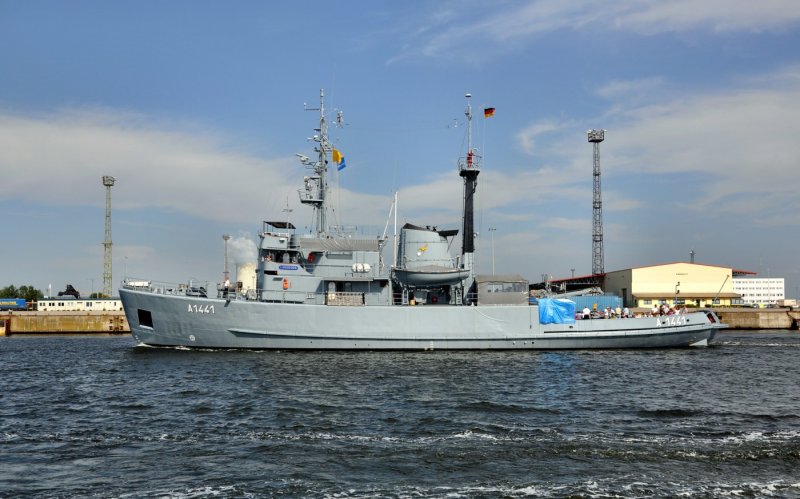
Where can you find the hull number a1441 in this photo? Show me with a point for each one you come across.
(201, 309)
(672, 320)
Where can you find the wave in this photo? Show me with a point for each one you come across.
(510, 433)
(758, 344)
(625, 486)
(705, 415)
(724, 445)
(494, 407)
(668, 413)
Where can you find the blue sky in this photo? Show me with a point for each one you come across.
(196, 108)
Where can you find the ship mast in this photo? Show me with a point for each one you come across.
(469, 170)
(315, 191)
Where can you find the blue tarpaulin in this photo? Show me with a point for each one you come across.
(556, 311)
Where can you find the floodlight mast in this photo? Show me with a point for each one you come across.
(595, 137)
(108, 182)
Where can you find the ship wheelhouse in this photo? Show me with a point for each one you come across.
(332, 270)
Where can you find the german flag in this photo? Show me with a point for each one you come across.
(488, 112)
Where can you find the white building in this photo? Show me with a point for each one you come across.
(759, 291)
(61, 304)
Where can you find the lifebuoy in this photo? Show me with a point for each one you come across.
(285, 283)
(310, 258)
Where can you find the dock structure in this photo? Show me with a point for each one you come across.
(35, 322)
(769, 318)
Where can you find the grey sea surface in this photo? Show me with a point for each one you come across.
(101, 417)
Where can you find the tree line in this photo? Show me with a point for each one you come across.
(32, 294)
(28, 292)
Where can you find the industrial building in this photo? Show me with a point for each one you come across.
(677, 283)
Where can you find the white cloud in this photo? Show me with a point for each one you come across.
(506, 27)
(743, 140)
(737, 148)
(715, 15)
(737, 140)
(628, 89)
(130, 252)
(582, 225)
(616, 201)
(527, 137)
(59, 158)
(725, 144)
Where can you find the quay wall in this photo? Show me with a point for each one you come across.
(747, 318)
(113, 322)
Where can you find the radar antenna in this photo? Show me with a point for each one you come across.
(315, 191)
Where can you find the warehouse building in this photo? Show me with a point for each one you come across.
(677, 283)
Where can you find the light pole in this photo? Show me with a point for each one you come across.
(676, 292)
(92, 281)
(492, 230)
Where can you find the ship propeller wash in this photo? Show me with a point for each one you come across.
(325, 290)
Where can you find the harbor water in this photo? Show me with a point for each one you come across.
(99, 417)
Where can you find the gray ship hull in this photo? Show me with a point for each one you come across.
(172, 320)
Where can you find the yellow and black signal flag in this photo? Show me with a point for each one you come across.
(488, 112)
(338, 158)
